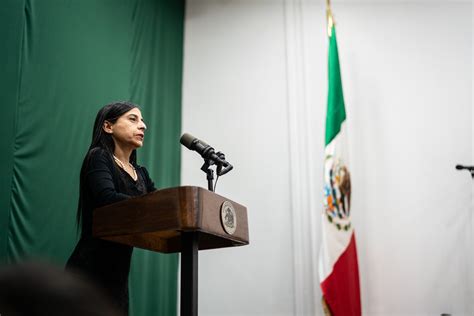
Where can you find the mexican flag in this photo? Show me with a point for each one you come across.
(338, 268)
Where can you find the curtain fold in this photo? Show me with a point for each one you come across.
(154, 85)
(11, 32)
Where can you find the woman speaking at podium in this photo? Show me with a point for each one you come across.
(109, 174)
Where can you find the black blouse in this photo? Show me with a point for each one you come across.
(105, 262)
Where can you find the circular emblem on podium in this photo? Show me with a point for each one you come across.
(228, 217)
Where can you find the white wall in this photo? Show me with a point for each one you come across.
(234, 98)
(255, 88)
(408, 87)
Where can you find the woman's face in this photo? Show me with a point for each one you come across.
(129, 129)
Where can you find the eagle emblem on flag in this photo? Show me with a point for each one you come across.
(337, 193)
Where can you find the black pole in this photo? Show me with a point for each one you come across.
(189, 259)
(189, 274)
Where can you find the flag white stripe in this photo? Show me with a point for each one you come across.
(334, 241)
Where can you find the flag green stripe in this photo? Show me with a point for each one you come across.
(336, 113)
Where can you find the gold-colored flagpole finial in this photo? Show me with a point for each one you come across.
(330, 18)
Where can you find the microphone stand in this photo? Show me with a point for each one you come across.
(206, 167)
(471, 222)
(189, 252)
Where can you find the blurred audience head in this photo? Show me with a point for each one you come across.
(35, 288)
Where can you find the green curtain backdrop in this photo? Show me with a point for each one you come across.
(60, 62)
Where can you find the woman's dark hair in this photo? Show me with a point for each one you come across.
(102, 140)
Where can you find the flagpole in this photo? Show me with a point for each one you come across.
(330, 21)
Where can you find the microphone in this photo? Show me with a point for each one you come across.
(461, 167)
(206, 152)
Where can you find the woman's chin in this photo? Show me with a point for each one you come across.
(135, 145)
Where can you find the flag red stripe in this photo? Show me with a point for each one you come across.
(341, 288)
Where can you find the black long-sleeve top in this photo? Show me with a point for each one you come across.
(105, 262)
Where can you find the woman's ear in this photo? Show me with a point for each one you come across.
(107, 127)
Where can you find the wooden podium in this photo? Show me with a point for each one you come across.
(182, 219)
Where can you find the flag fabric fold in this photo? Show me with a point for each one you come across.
(338, 266)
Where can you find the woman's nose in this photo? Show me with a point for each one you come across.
(142, 125)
